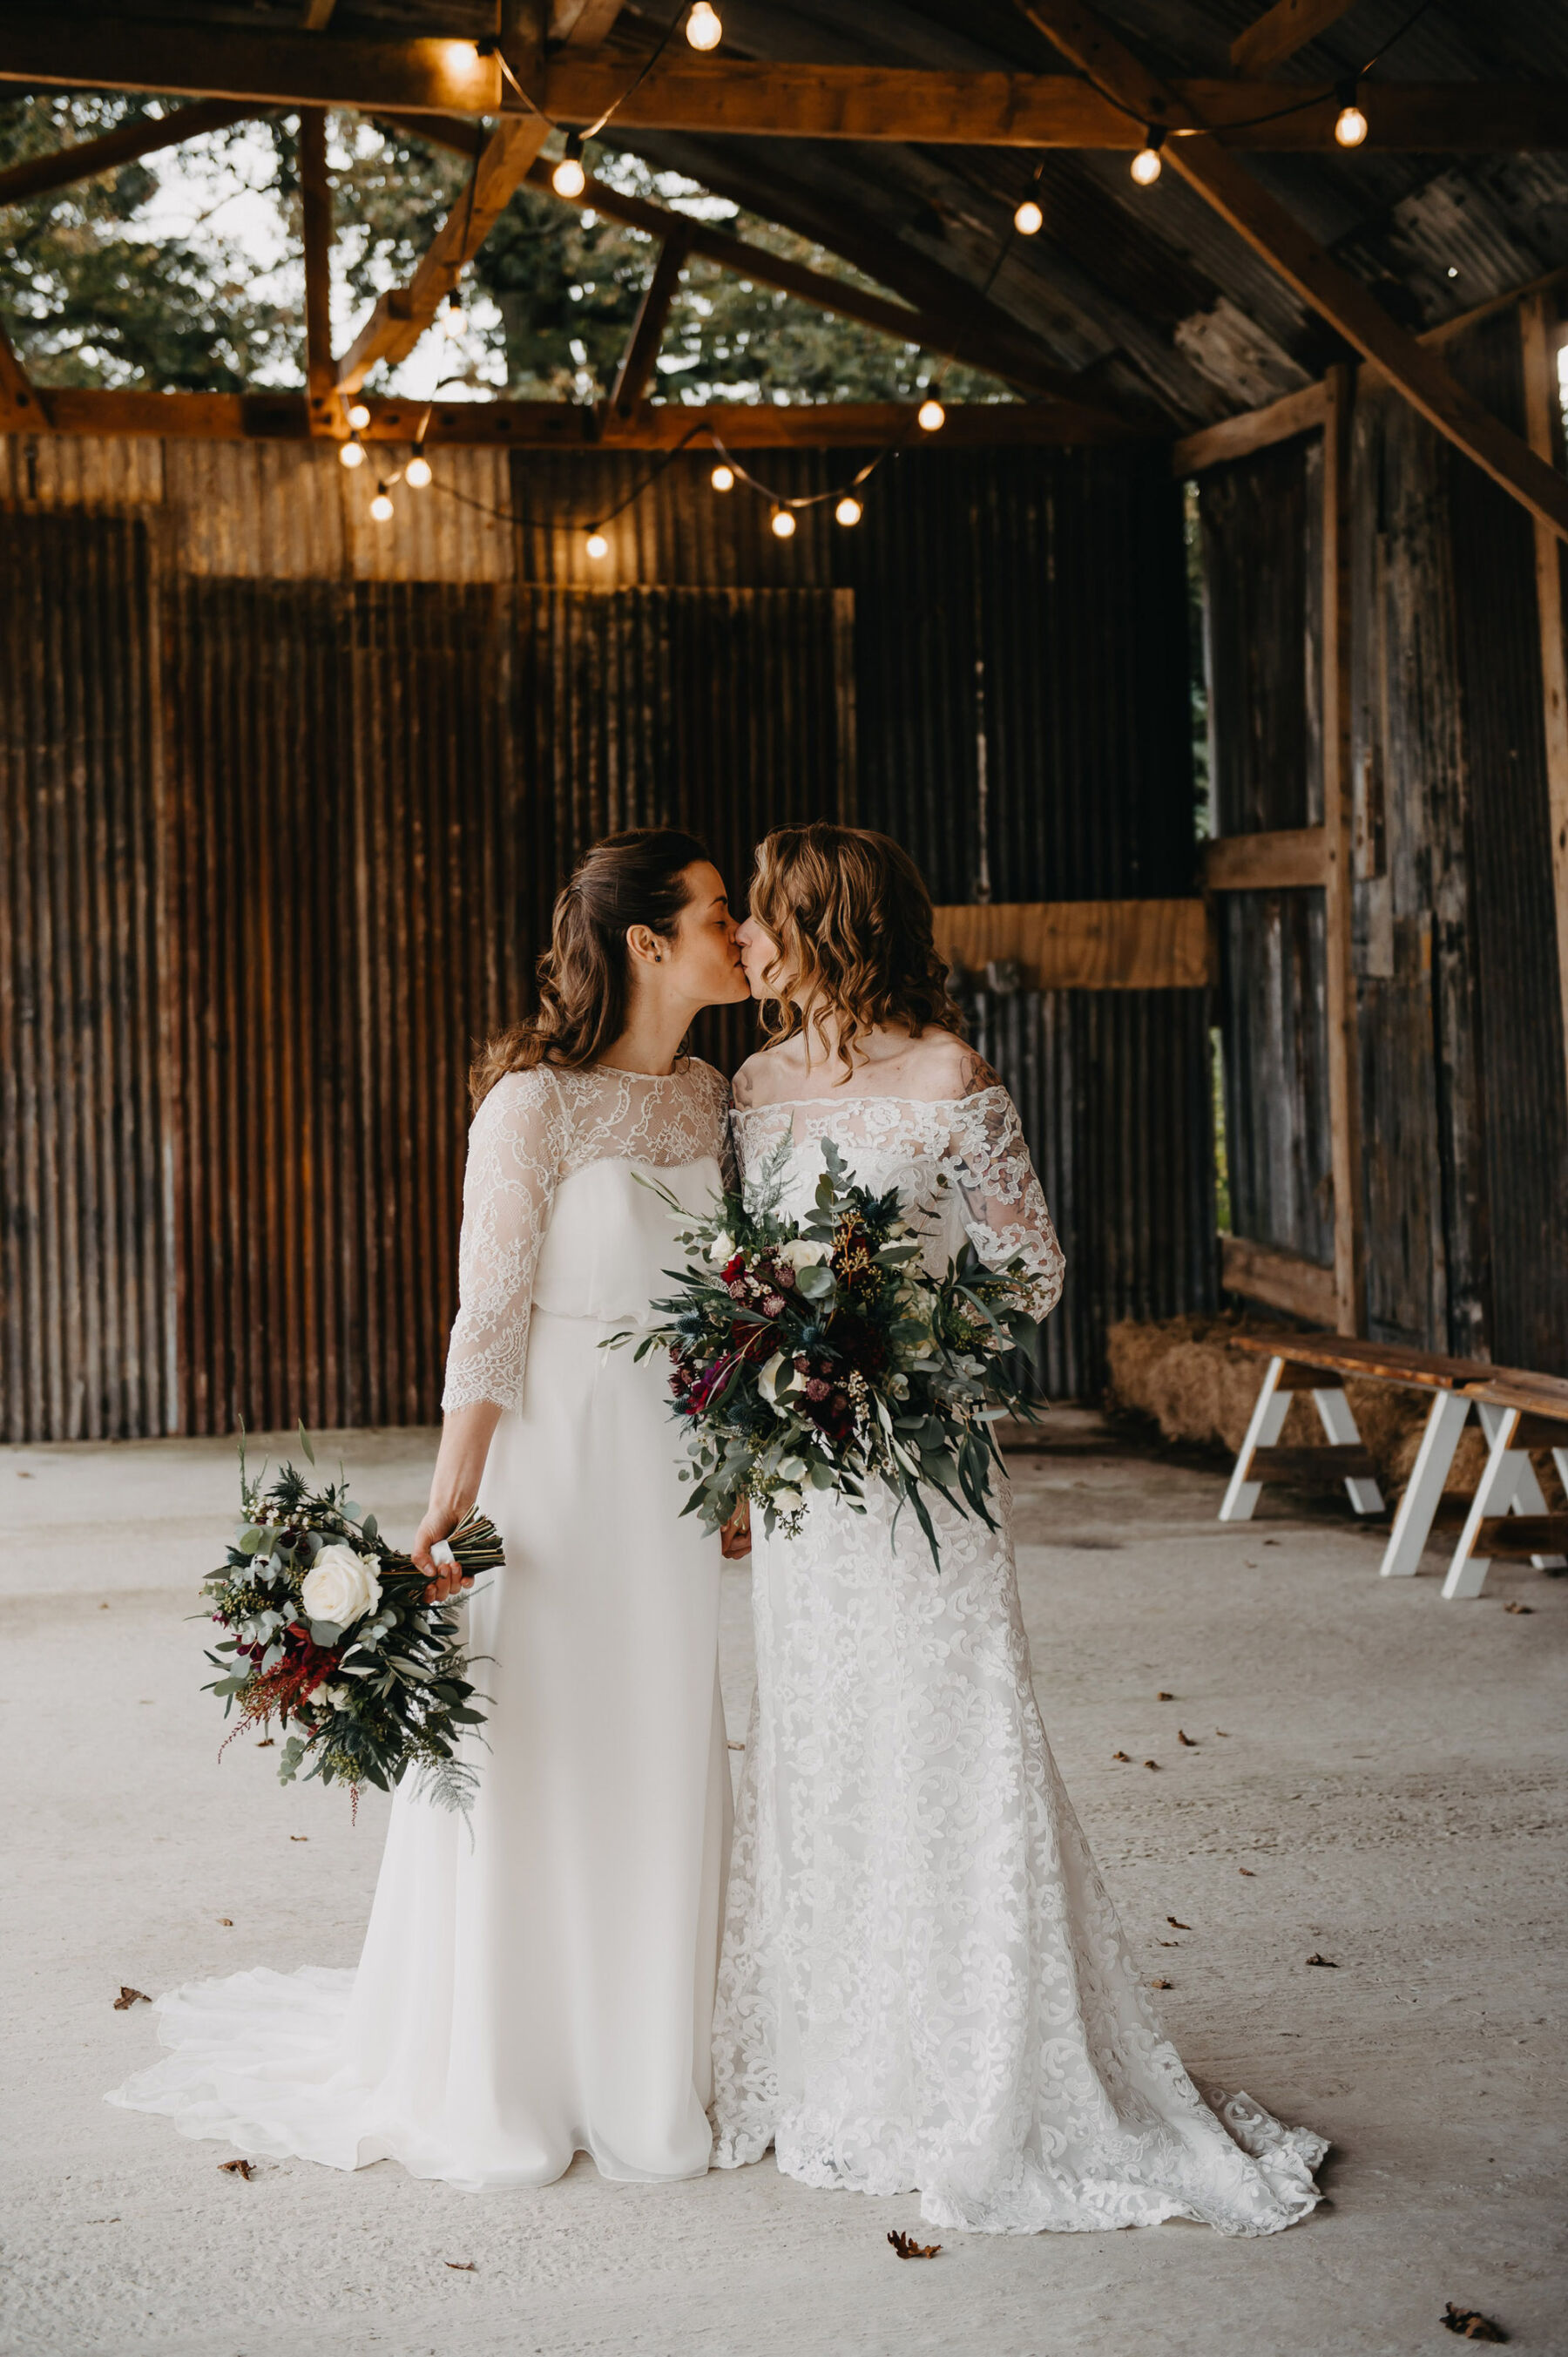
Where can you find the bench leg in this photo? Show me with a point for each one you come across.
(1341, 1428)
(1495, 1494)
(1269, 1414)
(1412, 1525)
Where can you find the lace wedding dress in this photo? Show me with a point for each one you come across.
(544, 1987)
(924, 1985)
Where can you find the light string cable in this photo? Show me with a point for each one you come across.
(492, 47)
(535, 523)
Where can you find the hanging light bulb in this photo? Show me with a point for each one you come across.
(1145, 165)
(597, 545)
(722, 479)
(569, 179)
(381, 506)
(1028, 220)
(454, 318)
(351, 454)
(849, 510)
(416, 474)
(783, 523)
(703, 29)
(1350, 124)
(358, 417)
(930, 416)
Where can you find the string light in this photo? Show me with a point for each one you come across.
(358, 417)
(381, 506)
(569, 179)
(1028, 220)
(722, 479)
(416, 474)
(454, 318)
(930, 416)
(597, 545)
(849, 510)
(703, 29)
(351, 453)
(783, 523)
(1350, 124)
(1145, 165)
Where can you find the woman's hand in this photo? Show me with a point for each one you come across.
(459, 1465)
(735, 1538)
(443, 1580)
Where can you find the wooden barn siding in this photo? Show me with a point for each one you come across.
(1464, 1114)
(352, 792)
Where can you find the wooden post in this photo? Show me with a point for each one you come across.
(315, 197)
(641, 355)
(1344, 1052)
(1539, 324)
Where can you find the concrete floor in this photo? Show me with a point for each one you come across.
(1390, 1775)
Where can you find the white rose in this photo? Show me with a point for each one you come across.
(721, 1252)
(801, 1252)
(786, 1501)
(777, 1379)
(339, 1585)
(335, 1697)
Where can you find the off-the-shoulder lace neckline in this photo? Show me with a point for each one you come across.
(624, 1072)
(789, 1105)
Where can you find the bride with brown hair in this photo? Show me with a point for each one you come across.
(541, 1983)
(924, 1985)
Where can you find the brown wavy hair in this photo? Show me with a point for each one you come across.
(853, 919)
(639, 877)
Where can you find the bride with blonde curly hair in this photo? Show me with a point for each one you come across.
(924, 1985)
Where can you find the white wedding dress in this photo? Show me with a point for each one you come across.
(924, 1985)
(546, 1986)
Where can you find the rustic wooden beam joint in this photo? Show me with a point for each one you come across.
(1283, 29)
(640, 358)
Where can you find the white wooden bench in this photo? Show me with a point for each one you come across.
(1507, 1518)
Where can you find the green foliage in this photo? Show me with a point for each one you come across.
(92, 300)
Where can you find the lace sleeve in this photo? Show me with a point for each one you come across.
(1003, 1206)
(516, 1148)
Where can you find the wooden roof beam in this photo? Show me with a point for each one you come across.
(741, 98)
(124, 145)
(400, 319)
(641, 355)
(1283, 29)
(1275, 234)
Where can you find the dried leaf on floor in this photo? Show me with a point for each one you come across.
(1182, 1737)
(1120, 1755)
(462, 2266)
(1220, 1730)
(1161, 1983)
(911, 2250)
(1167, 1943)
(245, 2168)
(735, 1746)
(299, 1836)
(130, 1996)
(1469, 2323)
(1327, 1962)
(1175, 1926)
(1151, 1763)
(1163, 1696)
(227, 1922)
(266, 1743)
(1516, 1606)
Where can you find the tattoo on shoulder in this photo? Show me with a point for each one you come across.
(978, 1075)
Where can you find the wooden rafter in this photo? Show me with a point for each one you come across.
(1283, 29)
(400, 317)
(1348, 304)
(641, 355)
(124, 145)
(315, 194)
(1344, 1059)
(734, 97)
(21, 403)
(546, 425)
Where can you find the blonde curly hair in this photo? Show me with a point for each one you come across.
(853, 919)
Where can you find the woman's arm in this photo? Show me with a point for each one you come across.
(460, 1467)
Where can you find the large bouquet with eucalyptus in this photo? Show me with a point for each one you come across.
(819, 1353)
(329, 1631)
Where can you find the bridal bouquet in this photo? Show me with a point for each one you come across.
(329, 1632)
(818, 1354)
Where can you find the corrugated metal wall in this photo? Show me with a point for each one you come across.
(1464, 1110)
(351, 768)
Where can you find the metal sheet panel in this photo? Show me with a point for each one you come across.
(85, 1233)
